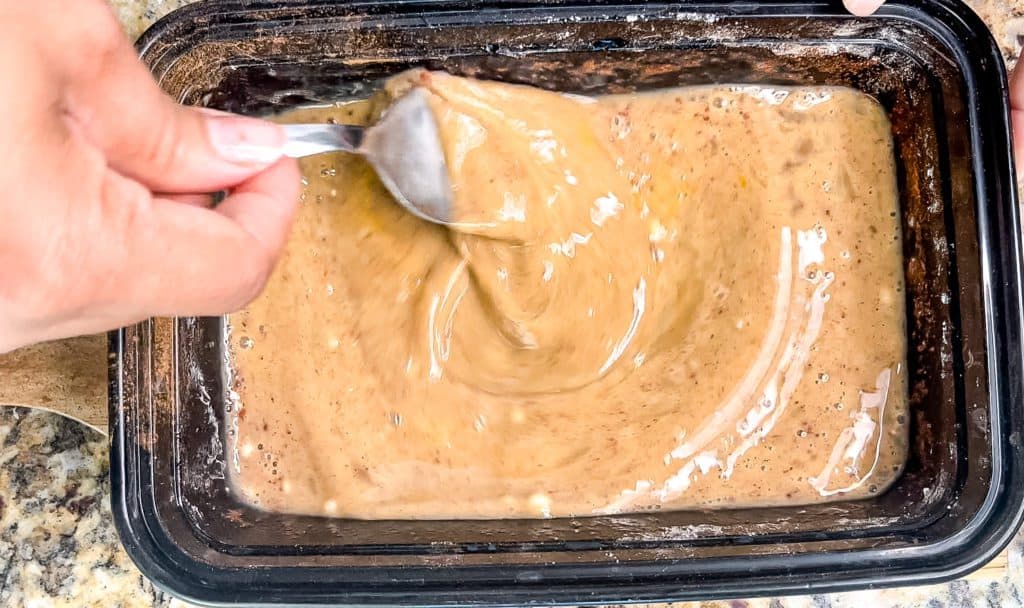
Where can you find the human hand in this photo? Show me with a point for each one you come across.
(103, 221)
(1017, 111)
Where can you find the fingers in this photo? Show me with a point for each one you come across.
(1017, 109)
(256, 205)
(116, 104)
(129, 256)
(190, 260)
(863, 8)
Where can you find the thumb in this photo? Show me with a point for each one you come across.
(147, 136)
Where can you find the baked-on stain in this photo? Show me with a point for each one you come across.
(664, 300)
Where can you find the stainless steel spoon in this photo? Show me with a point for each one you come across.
(404, 148)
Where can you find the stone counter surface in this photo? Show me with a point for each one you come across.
(58, 546)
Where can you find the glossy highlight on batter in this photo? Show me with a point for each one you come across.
(673, 299)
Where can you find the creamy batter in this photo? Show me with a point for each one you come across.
(676, 299)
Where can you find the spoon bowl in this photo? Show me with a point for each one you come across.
(404, 148)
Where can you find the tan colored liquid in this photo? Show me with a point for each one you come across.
(677, 299)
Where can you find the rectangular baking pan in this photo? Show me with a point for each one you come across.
(935, 68)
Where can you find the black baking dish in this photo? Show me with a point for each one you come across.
(933, 65)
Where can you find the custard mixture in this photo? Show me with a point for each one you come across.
(676, 299)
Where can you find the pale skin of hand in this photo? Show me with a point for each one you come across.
(102, 218)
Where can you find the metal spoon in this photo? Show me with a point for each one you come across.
(404, 148)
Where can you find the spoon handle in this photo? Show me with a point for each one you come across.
(305, 140)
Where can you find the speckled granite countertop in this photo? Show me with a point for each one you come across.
(58, 546)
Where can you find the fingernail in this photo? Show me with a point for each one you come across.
(243, 140)
(863, 8)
